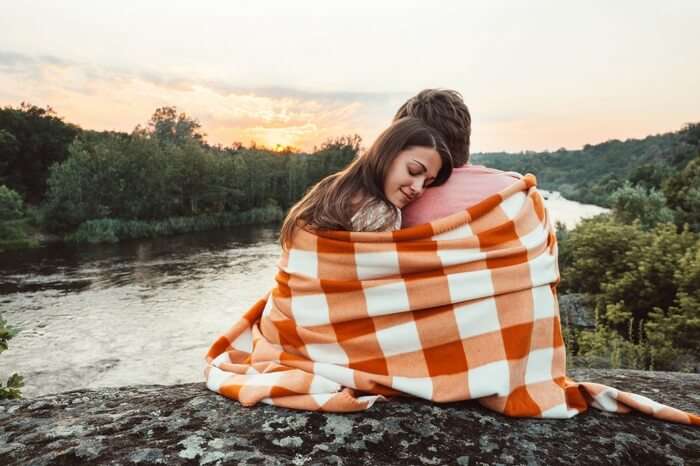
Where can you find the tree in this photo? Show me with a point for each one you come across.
(349, 143)
(650, 175)
(593, 251)
(630, 203)
(645, 286)
(167, 125)
(31, 140)
(192, 170)
(677, 329)
(9, 150)
(11, 207)
(647, 279)
(113, 176)
(683, 194)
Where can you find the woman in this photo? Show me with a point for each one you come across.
(368, 194)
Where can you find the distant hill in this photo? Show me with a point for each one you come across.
(591, 174)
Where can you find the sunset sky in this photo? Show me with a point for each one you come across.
(536, 75)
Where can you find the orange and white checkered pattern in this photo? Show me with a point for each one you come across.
(461, 308)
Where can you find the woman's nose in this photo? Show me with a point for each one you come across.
(417, 185)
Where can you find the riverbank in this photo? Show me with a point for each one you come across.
(187, 424)
(29, 233)
(20, 234)
(26, 233)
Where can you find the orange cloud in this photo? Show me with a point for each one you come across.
(104, 99)
(113, 98)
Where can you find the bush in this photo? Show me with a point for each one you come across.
(593, 251)
(683, 193)
(675, 331)
(96, 231)
(605, 348)
(648, 206)
(11, 231)
(15, 230)
(645, 285)
(11, 206)
(11, 389)
(109, 230)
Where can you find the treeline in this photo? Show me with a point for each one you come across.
(639, 265)
(591, 174)
(160, 179)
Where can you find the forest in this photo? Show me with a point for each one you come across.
(162, 178)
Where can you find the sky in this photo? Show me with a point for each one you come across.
(536, 75)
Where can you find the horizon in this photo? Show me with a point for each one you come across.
(294, 150)
(536, 78)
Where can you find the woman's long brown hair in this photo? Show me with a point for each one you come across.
(331, 203)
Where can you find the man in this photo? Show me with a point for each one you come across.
(446, 111)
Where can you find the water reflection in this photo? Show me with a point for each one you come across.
(149, 262)
(135, 312)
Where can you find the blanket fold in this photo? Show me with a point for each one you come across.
(462, 308)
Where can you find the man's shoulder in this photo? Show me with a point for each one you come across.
(482, 170)
(480, 179)
(466, 187)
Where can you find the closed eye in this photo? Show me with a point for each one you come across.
(415, 169)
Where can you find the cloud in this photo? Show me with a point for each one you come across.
(225, 88)
(12, 61)
(116, 98)
(17, 62)
(103, 97)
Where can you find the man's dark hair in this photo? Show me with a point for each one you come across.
(445, 111)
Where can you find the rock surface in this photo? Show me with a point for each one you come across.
(187, 424)
(576, 311)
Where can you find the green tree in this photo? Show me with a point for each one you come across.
(630, 203)
(11, 389)
(683, 194)
(31, 140)
(167, 125)
(190, 178)
(650, 175)
(646, 279)
(592, 253)
(645, 286)
(113, 175)
(677, 329)
(9, 151)
(11, 206)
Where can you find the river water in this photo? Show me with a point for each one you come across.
(140, 312)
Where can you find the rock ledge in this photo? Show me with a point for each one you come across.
(187, 424)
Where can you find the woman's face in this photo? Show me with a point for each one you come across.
(413, 170)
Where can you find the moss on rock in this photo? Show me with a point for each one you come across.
(187, 424)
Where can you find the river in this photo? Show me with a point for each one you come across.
(144, 311)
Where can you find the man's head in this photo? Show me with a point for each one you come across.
(445, 111)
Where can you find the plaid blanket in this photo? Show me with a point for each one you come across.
(462, 308)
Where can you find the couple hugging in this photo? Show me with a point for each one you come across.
(426, 146)
(412, 273)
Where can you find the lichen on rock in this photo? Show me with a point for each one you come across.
(187, 424)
